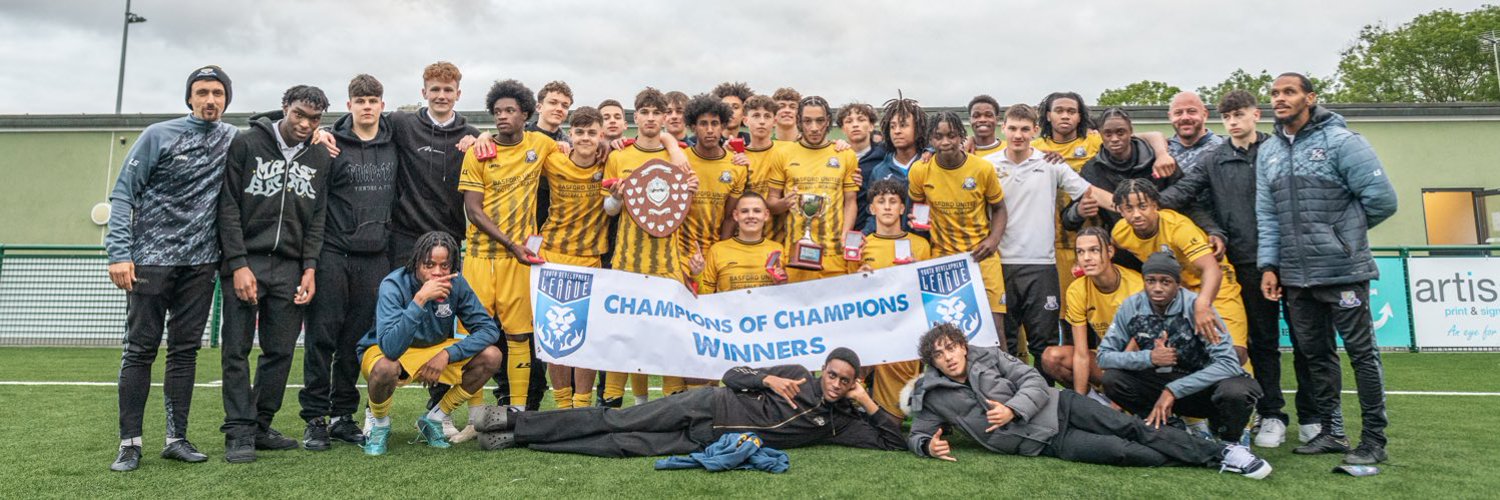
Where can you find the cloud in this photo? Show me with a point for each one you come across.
(63, 57)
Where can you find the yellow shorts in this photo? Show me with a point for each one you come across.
(504, 287)
(569, 260)
(833, 265)
(889, 379)
(994, 283)
(1231, 308)
(413, 359)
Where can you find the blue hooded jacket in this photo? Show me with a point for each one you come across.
(733, 451)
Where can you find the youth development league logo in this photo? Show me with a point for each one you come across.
(948, 296)
(562, 311)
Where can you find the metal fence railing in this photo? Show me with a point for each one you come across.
(61, 295)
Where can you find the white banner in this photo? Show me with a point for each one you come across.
(617, 321)
(1455, 301)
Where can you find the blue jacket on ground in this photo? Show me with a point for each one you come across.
(1316, 197)
(401, 324)
(1202, 364)
(736, 450)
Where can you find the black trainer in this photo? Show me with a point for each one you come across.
(344, 429)
(1366, 454)
(612, 402)
(315, 437)
(184, 451)
(272, 440)
(1324, 443)
(239, 449)
(128, 459)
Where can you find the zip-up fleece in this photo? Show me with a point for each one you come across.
(745, 404)
(271, 206)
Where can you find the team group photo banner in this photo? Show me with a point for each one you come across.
(617, 321)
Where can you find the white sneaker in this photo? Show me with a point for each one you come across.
(1240, 460)
(369, 422)
(1272, 433)
(1306, 432)
(464, 435)
(640, 400)
(449, 430)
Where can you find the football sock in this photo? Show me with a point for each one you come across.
(381, 410)
(563, 397)
(518, 368)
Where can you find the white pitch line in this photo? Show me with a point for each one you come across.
(658, 389)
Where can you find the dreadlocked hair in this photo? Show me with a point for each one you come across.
(1085, 122)
(950, 118)
(424, 247)
(1141, 187)
(901, 106)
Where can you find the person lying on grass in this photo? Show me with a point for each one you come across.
(785, 405)
(1007, 407)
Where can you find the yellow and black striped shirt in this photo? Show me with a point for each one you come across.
(960, 200)
(576, 224)
(719, 179)
(636, 251)
(509, 183)
(762, 162)
(820, 171)
(880, 251)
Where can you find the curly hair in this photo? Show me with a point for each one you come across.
(888, 186)
(704, 104)
(307, 94)
(927, 345)
(786, 94)
(852, 109)
(442, 71)
(514, 90)
(737, 89)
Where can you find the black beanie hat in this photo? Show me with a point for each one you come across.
(209, 72)
(1163, 263)
(846, 355)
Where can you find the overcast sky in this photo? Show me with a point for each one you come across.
(63, 56)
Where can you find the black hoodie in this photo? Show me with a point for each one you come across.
(1107, 173)
(361, 189)
(270, 206)
(427, 197)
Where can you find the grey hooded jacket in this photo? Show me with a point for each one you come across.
(993, 375)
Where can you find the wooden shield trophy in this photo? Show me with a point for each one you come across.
(657, 197)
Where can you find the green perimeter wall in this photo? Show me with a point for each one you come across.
(50, 179)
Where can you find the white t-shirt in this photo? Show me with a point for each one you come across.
(1031, 205)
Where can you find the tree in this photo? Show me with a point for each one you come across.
(1259, 85)
(1436, 57)
(1142, 93)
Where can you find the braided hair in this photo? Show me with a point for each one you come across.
(424, 247)
(1105, 238)
(1141, 187)
(950, 118)
(814, 101)
(901, 106)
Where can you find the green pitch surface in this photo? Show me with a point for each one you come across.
(58, 441)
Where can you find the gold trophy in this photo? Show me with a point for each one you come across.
(806, 253)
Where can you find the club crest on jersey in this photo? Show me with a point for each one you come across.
(598, 176)
(948, 296)
(1051, 303)
(443, 310)
(833, 163)
(1080, 152)
(531, 156)
(1317, 154)
(970, 184)
(1349, 300)
(561, 311)
(726, 177)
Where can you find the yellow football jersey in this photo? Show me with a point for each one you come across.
(880, 251)
(719, 179)
(1175, 233)
(1087, 304)
(1076, 152)
(734, 264)
(820, 171)
(576, 223)
(509, 183)
(960, 199)
(636, 250)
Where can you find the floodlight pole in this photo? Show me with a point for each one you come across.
(130, 18)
